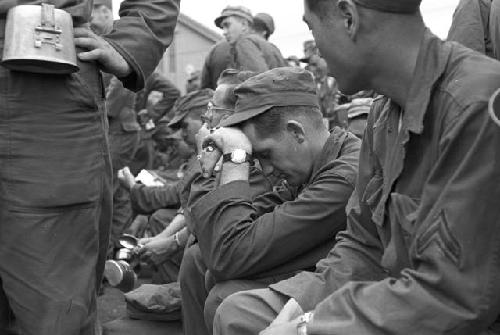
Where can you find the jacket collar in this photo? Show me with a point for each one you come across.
(431, 64)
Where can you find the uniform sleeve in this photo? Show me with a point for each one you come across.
(467, 27)
(146, 200)
(206, 72)
(144, 31)
(451, 287)
(495, 27)
(238, 242)
(170, 96)
(248, 57)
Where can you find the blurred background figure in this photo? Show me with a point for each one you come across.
(246, 46)
(102, 17)
(476, 25)
(152, 104)
(194, 81)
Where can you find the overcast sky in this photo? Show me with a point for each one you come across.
(287, 14)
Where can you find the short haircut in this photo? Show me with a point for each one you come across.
(260, 26)
(273, 122)
(233, 78)
(321, 7)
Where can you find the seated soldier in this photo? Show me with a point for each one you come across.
(420, 252)
(249, 243)
(155, 200)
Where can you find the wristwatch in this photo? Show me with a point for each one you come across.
(238, 156)
(303, 321)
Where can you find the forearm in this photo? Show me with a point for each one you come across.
(142, 34)
(146, 200)
(177, 224)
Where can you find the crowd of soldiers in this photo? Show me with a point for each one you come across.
(350, 191)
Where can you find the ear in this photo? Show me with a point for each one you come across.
(349, 12)
(296, 130)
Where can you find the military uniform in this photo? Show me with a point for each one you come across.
(250, 52)
(476, 24)
(55, 173)
(145, 155)
(123, 143)
(260, 240)
(419, 252)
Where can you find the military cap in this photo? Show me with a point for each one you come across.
(239, 11)
(279, 87)
(267, 20)
(191, 101)
(107, 3)
(393, 6)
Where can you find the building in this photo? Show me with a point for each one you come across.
(192, 42)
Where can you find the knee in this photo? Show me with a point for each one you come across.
(227, 315)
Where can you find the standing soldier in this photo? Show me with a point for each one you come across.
(55, 171)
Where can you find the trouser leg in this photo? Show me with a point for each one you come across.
(220, 292)
(249, 312)
(55, 199)
(122, 148)
(193, 292)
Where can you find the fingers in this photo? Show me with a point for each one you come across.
(290, 311)
(95, 54)
(82, 32)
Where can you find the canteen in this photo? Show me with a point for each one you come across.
(120, 275)
(39, 39)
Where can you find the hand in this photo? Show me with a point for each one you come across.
(158, 250)
(101, 51)
(126, 178)
(290, 312)
(289, 328)
(226, 140)
(200, 136)
(145, 240)
(229, 139)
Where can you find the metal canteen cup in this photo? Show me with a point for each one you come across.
(120, 275)
(39, 39)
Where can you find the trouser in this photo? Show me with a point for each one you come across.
(123, 146)
(249, 312)
(168, 271)
(199, 299)
(55, 200)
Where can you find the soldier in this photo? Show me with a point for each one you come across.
(242, 48)
(55, 175)
(419, 254)
(251, 243)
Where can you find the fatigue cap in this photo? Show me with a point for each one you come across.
(267, 20)
(393, 6)
(192, 101)
(239, 11)
(279, 87)
(107, 3)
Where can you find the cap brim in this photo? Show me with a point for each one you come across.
(238, 118)
(218, 21)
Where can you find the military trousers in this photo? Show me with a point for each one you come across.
(55, 200)
(201, 296)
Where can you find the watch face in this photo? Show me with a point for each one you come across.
(239, 156)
